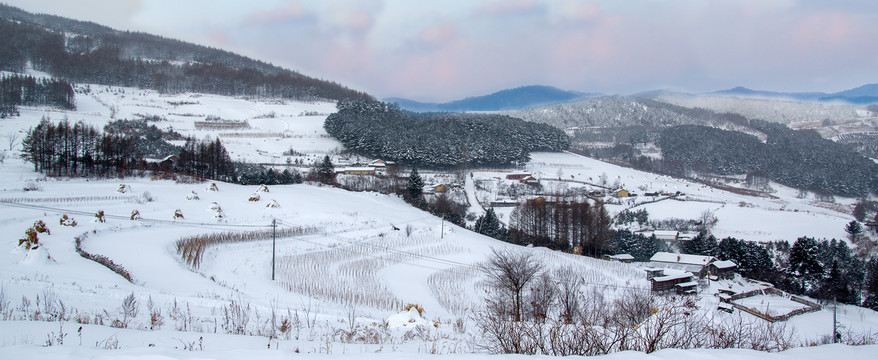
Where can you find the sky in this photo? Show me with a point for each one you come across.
(441, 50)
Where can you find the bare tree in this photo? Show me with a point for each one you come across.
(13, 139)
(569, 293)
(510, 272)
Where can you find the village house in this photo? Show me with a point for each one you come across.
(357, 171)
(683, 283)
(517, 176)
(696, 264)
(380, 166)
(624, 258)
(723, 269)
(529, 180)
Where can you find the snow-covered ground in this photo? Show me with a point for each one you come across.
(783, 216)
(362, 259)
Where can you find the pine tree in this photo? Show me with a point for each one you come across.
(803, 262)
(325, 171)
(854, 230)
(415, 189)
(489, 225)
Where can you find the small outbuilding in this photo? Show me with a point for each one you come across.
(625, 258)
(723, 269)
(668, 283)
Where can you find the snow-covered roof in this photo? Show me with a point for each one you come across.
(672, 277)
(666, 234)
(669, 268)
(688, 284)
(724, 264)
(357, 169)
(688, 259)
(622, 257)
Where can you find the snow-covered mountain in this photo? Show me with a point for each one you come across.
(517, 98)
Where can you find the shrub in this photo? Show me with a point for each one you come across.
(67, 221)
(178, 214)
(100, 259)
(30, 240)
(99, 216)
(135, 215)
(40, 227)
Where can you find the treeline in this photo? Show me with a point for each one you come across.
(150, 141)
(206, 159)
(16, 90)
(576, 225)
(63, 149)
(439, 140)
(78, 150)
(95, 54)
(800, 159)
(570, 225)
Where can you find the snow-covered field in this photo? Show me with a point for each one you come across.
(783, 216)
(341, 286)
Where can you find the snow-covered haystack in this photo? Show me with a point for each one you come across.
(272, 204)
(411, 318)
(216, 209)
(192, 196)
(254, 197)
(262, 189)
(34, 256)
(212, 187)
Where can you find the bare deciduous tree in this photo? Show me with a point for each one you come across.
(509, 272)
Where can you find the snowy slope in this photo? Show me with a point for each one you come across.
(349, 274)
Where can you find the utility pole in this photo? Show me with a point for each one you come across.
(442, 235)
(273, 244)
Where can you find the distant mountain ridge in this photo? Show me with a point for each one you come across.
(509, 99)
(86, 52)
(865, 94)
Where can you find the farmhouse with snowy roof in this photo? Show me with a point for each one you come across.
(517, 176)
(683, 283)
(625, 258)
(696, 264)
(723, 269)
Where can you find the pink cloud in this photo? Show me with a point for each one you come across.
(294, 11)
(508, 7)
(582, 11)
(438, 34)
(358, 20)
(825, 30)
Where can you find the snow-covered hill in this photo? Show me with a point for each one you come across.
(359, 260)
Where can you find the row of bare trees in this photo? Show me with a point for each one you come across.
(568, 225)
(78, 150)
(532, 310)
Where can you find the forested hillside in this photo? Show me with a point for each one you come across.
(800, 159)
(18, 90)
(89, 53)
(439, 139)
